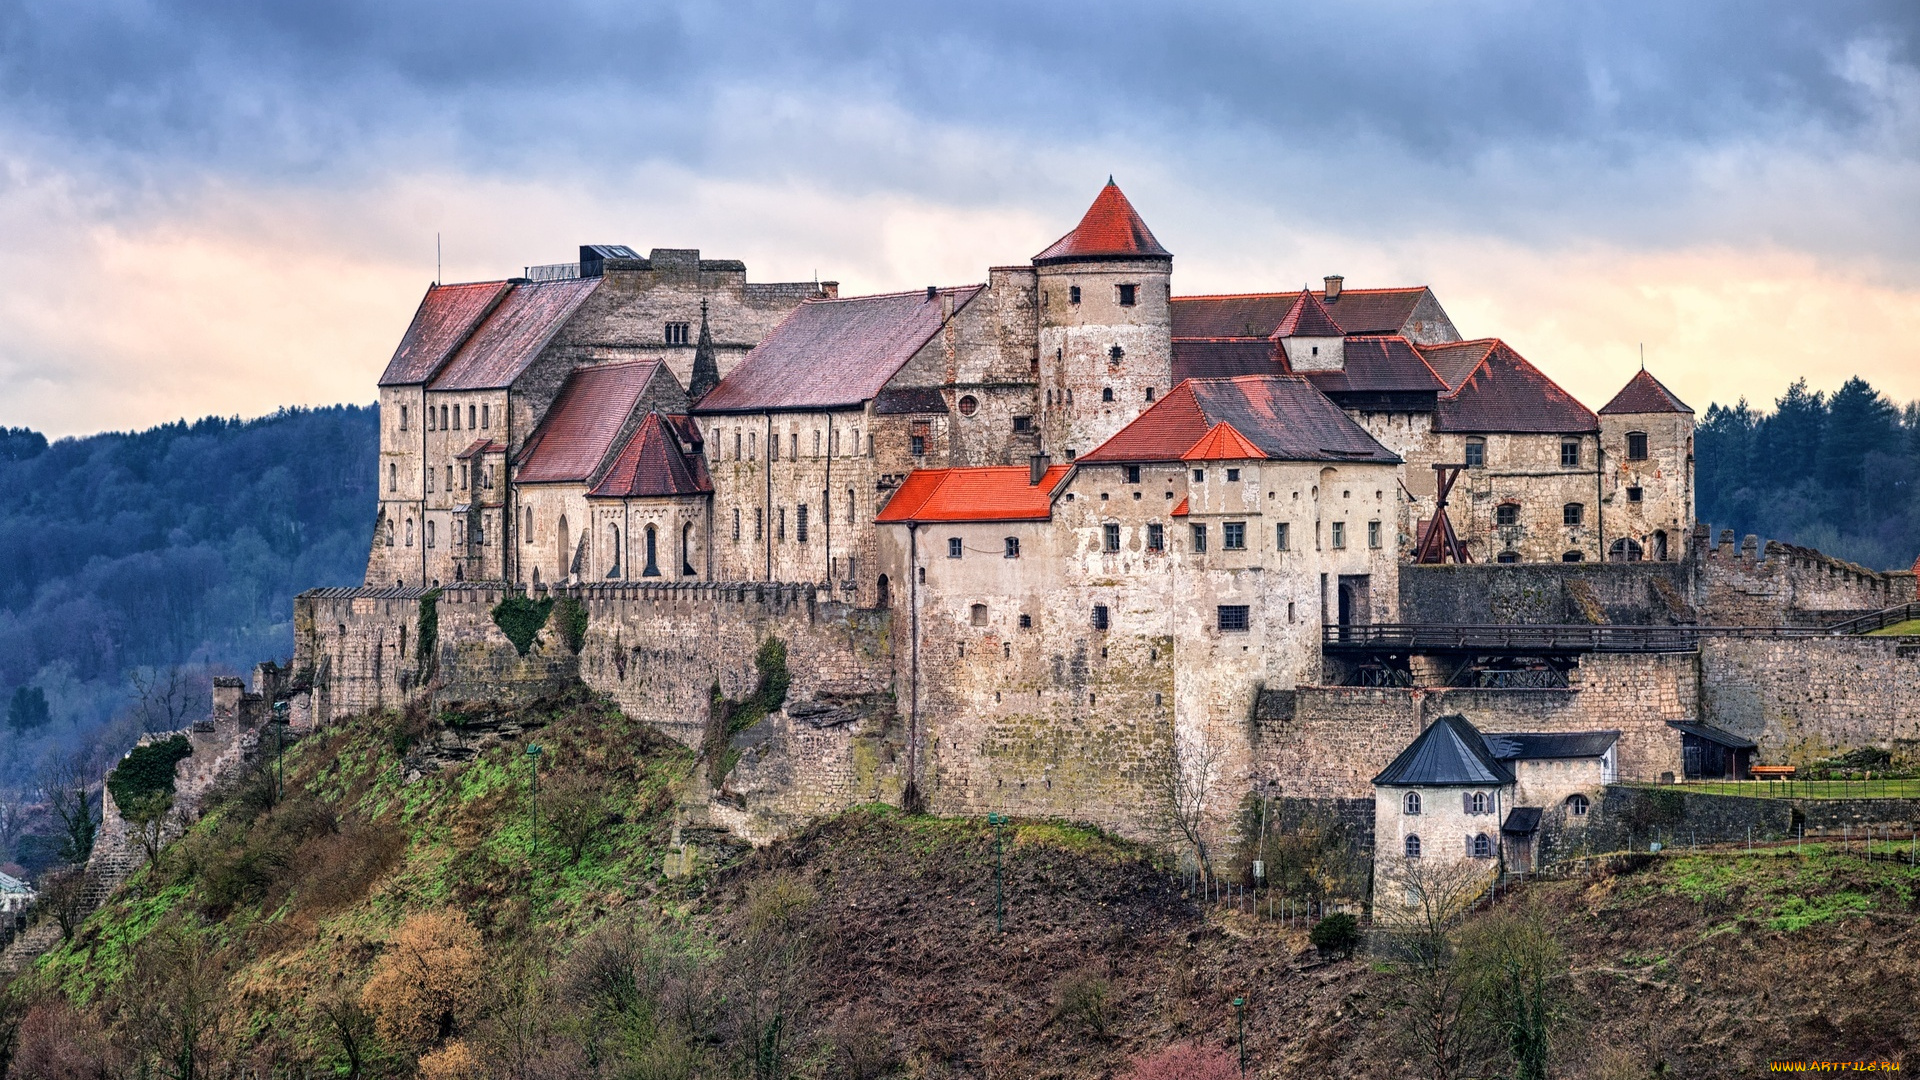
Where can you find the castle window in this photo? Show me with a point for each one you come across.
(736, 524)
(526, 525)
(686, 550)
(1577, 805)
(851, 503)
(430, 534)
(489, 478)
(1281, 540)
(918, 445)
(1013, 547)
(1476, 453)
(1022, 424)
(486, 420)
(1507, 514)
(1636, 446)
(1149, 393)
(793, 446)
(1233, 536)
(1156, 537)
(409, 532)
(449, 478)
(1373, 535)
(1508, 556)
(800, 523)
(653, 554)
(1339, 535)
(1110, 534)
(1106, 393)
(816, 442)
(780, 526)
(1573, 513)
(403, 418)
(1232, 618)
(1026, 622)
(1476, 803)
(1412, 802)
(430, 426)
(1115, 354)
(1127, 293)
(1574, 556)
(1569, 453)
(1073, 294)
(393, 478)
(1413, 847)
(677, 333)
(1199, 476)
(463, 477)
(1200, 539)
(1101, 620)
(1634, 494)
(1480, 847)
(1233, 476)
(979, 614)
(759, 520)
(1133, 474)
(1006, 650)
(456, 418)
(955, 547)
(429, 480)
(969, 405)
(1316, 350)
(471, 410)
(613, 539)
(389, 532)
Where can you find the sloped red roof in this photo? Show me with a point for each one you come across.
(1223, 358)
(446, 315)
(578, 432)
(1504, 393)
(1111, 229)
(1283, 416)
(481, 446)
(991, 493)
(1181, 510)
(1308, 318)
(1223, 443)
(1258, 315)
(1644, 394)
(1387, 364)
(652, 465)
(831, 353)
(1454, 362)
(510, 338)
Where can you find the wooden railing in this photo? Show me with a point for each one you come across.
(1879, 620)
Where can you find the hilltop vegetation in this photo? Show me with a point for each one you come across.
(349, 921)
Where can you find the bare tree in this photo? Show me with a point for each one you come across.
(177, 1010)
(13, 818)
(1420, 910)
(169, 698)
(1188, 778)
(66, 786)
(63, 898)
(351, 1025)
(147, 821)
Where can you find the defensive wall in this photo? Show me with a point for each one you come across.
(1805, 699)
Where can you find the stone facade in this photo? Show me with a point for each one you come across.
(1645, 502)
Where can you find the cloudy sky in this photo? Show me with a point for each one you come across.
(226, 206)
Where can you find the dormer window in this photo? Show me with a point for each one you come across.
(1127, 295)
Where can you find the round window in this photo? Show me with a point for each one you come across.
(969, 405)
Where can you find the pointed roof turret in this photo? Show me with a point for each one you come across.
(1644, 394)
(1111, 229)
(1308, 318)
(706, 370)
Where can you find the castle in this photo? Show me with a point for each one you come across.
(1040, 543)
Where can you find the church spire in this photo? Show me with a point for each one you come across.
(706, 370)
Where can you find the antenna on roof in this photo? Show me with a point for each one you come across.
(436, 258)
(1643, 356)
(1109, 179)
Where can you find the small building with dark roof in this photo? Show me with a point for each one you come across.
(1646, 435)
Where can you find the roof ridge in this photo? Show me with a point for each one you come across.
(1296, 292)
(825, 300)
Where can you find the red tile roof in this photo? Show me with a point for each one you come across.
(481, 446)
(652, 464)
(1388, 364)
(1223, 443)
(1504, 393)
(993, 493)
(1454, 362)
(511, 338)
(1258, 315)
(1181, 510)
(577, 433)
(1644, 394)
(1282, 416)
(1111, 229)
(1223, 358)
(1308, 318)
(447, 314)
(832, 353)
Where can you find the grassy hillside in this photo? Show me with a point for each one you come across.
(353, 923)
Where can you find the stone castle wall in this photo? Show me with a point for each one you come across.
(1805, 699)
(1776, 584)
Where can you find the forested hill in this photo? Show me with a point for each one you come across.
(125, 555)
(1836, 472)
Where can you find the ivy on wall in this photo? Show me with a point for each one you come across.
(520, 619)
(427, 660)
(728, 718)
(571, 616)
(147, 771)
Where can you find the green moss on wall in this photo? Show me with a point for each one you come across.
(728, 718)
(520, 619)
(571, 620)
(427, 657)
(147, 771)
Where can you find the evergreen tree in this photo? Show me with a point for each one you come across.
(28, 709)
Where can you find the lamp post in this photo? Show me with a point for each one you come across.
(1240, 1007)
(999, 885)
(280, 750)
(533, 802)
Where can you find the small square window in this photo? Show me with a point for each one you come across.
(979, 615)
(1573, 513)
(1233, 536)
(954, 547)
(1280, 538)
(1127, 295)
(1199, 476)
(1373, 535)
(1233, 476)
(919, 445)
(1200, 538)
(1339, 535)
(1133, 474)
(1101, 620)
(1476, 453)
(1026, 622)
(1569, 453)
(1156, 538)
(1073, 294)
(1149, 393)
(1634, 494)
(1110, 536)
(1013, 547)
(1022, 424)
(1507, 514)
(1233, 618)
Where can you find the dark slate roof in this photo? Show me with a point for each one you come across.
(1451, 751)
(909, 401)
(1308, 318)
(1714, 735)
(1224, 358)
(481, 446)
(1644, 394)
(1522, 820)
(578, 432)
(1258, 315)
(1388, 364)
(511, 338)
(653, 464)
(1282, 415)
(447, 314)
(1111, 229)
(1539, 746)
(1454, 362)
(1504, 393)
(833, 353)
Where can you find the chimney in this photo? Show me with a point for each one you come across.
(932, 291)
(1333, 287)
(1037, 469)
(831, 289)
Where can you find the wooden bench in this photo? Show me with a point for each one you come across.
(1772, 772)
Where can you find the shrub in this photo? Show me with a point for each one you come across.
(427, 656)
(520, 619)
(1189, 1061)
(1082, 998)
(454, 1061)
(147, 771)
(1337, 934)
(425, 986)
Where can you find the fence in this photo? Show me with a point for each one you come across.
(1266, 903)
(1807, 789)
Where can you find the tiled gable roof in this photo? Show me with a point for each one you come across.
(990, 493)
(1450, 752)
(1111, 229)
(1223, 358)
(1223, 443)
(1379, 364)
(1644, 394)
(652, 464)
(579, 430)
(479, 447)
(1249, 315)
(1455, 361)
(1281, 415)
(1308, 318)
(1504, 393)
(447, 314)
(1714, 735)
(1182, 510)
(834, 353)
(511, 338)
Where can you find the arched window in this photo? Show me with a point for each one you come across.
(686, 550)
(564, 550)
(882, 595)
(1412, 802)
(736, 523)
(979, 615)
(389, 532)
(1577, 805)
(1413, 845)
(393, 478)
(1624, 550)
(430, 532)
(526, 525)
(850, 504)
(1478, 804)
(613, 537)
(1482, 848)
(443, 418)
(1574, 556)
(653, 558)
(1659, 545)
(409, 532)
(1508, 556)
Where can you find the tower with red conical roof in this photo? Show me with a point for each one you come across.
(1646, 495)
(1106, 327)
